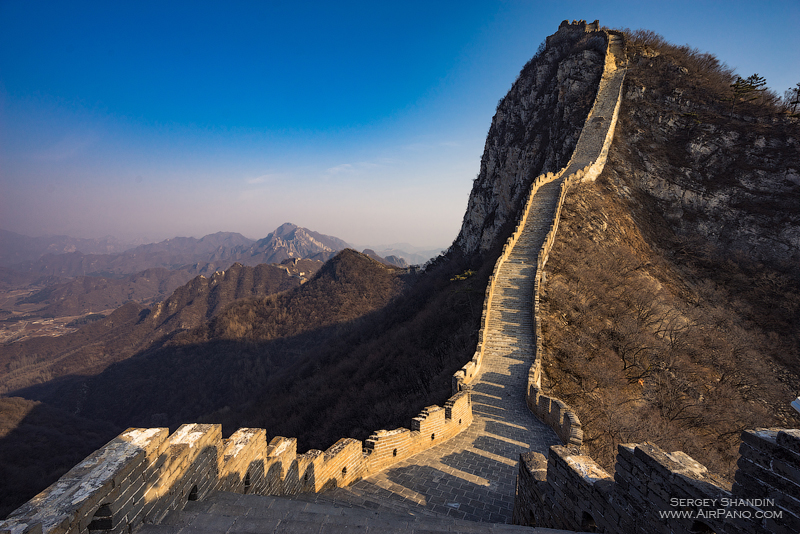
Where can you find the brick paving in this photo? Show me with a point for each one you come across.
(232, 513)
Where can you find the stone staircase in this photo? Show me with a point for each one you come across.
(511, 319)
(235, 513)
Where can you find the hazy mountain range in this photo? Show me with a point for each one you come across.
(64, 256)
(214, 251)
(66, 279)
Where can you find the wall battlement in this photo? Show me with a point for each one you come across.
(657, 492)
(576, 26)
(144, 473)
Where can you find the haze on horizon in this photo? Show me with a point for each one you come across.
(360, 120)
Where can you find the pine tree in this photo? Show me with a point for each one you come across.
(791, 99)
(747, 90)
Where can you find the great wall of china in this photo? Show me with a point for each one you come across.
(458, 463)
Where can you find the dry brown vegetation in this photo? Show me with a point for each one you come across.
(353, 350)
(649, 351)
(656, 331)
(707, 79)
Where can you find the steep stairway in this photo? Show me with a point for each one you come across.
(472, 475)
(235, 513)
(594, 141)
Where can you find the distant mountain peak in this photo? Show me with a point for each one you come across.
(286, 229)
(292, 241)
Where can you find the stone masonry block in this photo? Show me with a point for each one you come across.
(625, 452)
(82, 489)
(789, 439)
(788, 471)
(458, 406)
(766, 440)
(765, 477)
(469, 370)
(245, 444)
(543, 407)
(429, 421)
(748, 454)
(310, 471)
(748, 487)
(533, 464)
(246, 448)
(283, 451)
(655, 458)
(557, 411)
(344, 461)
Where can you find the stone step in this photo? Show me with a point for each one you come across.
(231, 513)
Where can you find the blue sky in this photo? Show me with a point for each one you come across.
(363, 120)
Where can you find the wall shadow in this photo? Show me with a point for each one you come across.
(446, 494)
(41, 446)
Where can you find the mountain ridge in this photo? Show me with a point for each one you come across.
(132, 327)
(220, 249)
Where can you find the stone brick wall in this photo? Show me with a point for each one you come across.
(549, 409)
(470, 370)
(143, 473)
(657, 492)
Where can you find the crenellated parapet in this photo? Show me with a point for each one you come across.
(144, 473)
(657, 492)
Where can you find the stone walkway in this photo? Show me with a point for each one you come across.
(593, 134)
(472, 476)
(232, 513)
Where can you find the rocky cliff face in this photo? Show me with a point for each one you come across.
(729, 180)
(534, 131)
